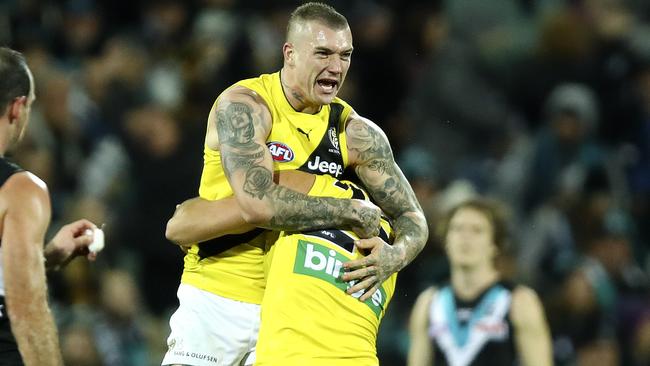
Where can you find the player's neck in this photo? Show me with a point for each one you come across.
(468, 283)
(4, 137)
(294, 95)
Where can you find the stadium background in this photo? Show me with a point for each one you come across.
(542, 104)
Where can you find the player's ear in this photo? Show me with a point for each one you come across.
(289, 54)
(16, 107)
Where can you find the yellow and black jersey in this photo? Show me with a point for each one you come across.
(313, 143)
(232, 266)
(307, 317)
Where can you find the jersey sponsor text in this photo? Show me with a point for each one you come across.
(321, 262)
(334, 169)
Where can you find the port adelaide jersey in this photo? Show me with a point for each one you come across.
(8, 346)
(473, 333)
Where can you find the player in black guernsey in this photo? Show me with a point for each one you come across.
(477, 319)
(27, 331)
(8, 349)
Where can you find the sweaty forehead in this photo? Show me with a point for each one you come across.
(317, 34)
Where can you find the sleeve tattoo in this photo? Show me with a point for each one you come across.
(387, 185)
(236, 125)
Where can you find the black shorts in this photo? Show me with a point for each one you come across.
(9, 355)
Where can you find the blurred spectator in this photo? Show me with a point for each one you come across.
(163, 167)
(375, 37)
(453, 108)
(585, 325)
(637, 156)
(119, 329)
(78, 346)
(565, 147)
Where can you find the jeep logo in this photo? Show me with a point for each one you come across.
(280, 152)
(326, 167)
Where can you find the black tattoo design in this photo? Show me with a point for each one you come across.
(258, 181)
(380, 166)
(378, 171)
(294, 93)
(236, 128)
(245, 160)
(235, 125)
(297, 95)
(295, 211)
(368, 142)
(414, 229)
(392, 192)
(367, 219)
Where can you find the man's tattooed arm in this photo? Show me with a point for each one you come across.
(243, 123)
(375, 166)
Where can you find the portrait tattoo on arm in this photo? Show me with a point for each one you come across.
(243, 156)
(236, 129)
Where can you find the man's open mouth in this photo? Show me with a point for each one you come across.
(328, 85)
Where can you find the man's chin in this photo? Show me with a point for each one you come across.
(326, 99)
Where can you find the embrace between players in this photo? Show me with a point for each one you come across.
(277, 226)
(288, 263)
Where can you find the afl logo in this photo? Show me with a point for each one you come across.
(280, 152)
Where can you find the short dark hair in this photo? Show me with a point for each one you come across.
(14, 77)
(492, 210)
(316, 12)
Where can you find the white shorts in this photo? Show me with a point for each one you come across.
(211, 330)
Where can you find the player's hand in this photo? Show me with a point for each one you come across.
(372, 270)
(71, 241)
(367, 217)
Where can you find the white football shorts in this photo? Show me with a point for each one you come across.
(211, 330)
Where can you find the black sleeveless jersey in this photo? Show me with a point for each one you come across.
(9, 355)
(473, 333)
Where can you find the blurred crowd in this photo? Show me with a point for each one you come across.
(542, 104)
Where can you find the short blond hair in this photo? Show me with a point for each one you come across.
(316, 12)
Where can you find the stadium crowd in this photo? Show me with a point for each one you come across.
(541, 104)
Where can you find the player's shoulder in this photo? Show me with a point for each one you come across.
(524, 296)
(518, 292)
(358, 125)
(24, 183)
(263, 79)
(23, 190)
(239, 93)
(247, 89)
(426, 297)
(526, 306)
(244, 96)
(421, 307)
(365, 140)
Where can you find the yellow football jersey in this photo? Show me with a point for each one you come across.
(307, 318)
(232, 266)
(314, 143)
